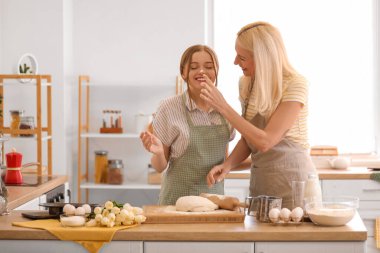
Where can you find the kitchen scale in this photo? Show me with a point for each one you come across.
(39, 215)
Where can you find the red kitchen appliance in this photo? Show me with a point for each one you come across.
(13, 174)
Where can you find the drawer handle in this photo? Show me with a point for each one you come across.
(371, 190)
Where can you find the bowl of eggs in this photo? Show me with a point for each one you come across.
(75, 216)
(72, 220)
(332, 211)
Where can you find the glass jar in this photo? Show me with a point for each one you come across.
(115, 171)
(111, 119)
(26, 122)
(313, 191)
(101, 163)
(15, 120)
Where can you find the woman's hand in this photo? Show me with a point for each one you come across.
(152, 143)
(212, 95)
(217, 174)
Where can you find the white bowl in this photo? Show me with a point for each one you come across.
(72, 220)
(332, 211)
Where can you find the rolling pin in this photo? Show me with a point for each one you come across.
(223, 201)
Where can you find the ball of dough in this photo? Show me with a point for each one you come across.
(195, 204)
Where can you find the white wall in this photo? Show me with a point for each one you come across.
(69, 100)
(136, 44)
(37, 27)
(133, 49)
(376, 51)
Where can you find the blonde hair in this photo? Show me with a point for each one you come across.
(271, 65)
(187, 57)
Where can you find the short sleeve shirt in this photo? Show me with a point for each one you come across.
(296, 90)
(171, 127)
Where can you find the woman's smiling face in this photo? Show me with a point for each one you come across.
(244, 59)
(201, 63)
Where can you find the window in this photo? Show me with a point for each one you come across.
(331, 44)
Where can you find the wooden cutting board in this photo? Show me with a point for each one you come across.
(168, 214)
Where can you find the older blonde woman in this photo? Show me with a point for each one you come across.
(273, 123)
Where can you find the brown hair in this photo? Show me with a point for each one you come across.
(188, 54)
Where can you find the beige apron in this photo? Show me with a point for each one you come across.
(187, 174)
(272, 172)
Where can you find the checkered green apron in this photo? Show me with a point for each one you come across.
(186, 174)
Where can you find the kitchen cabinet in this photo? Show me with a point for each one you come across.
(41, 89)
(368, 192)
(199, 247)
(38, 246)
(237, 187)
(309, 247)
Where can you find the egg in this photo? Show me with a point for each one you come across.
(297, 214)
(285, 214)
(69, 209)
(87, 208)
(274, 215)
(80, 211)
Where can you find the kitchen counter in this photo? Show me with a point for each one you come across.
(18, 195)
(328, 174)
(250, 230)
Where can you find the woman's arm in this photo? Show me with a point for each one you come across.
(263, 139)
(160, 161)
(280, 122)
(160, 152)
(238, 155)
(244, 165)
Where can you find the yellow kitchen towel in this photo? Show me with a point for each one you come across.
(377, 232)
(92, 238)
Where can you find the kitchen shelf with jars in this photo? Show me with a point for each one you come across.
(102, 122)
(17, 126)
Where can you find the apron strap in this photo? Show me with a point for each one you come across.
(188, 119)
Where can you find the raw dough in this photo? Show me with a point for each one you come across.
(195, 204)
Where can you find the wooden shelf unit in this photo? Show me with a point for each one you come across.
(84, 136)
(39, 81)
(83, 127)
